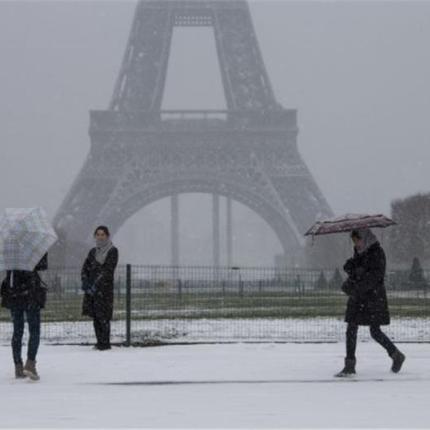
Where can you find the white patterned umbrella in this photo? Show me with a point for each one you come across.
(25, 237)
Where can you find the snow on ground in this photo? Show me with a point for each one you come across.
(233, 385)
(227, 329)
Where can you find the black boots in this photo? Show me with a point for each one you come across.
(30, 370)
(348, 370)
(398, 359)
(19, 371)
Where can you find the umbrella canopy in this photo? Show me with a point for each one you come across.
(349, 222)
(25, 237)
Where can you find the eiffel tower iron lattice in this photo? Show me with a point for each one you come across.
(140, 154)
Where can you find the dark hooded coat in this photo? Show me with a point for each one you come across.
(367, 302)
(24, 290)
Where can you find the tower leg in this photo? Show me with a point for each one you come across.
(216, 230)
(174, 230)
(229, 233)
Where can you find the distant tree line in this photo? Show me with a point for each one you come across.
(413, 278)
(333, 283)
(410, 238)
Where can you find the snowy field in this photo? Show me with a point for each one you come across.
(221, 330)
(238, 385)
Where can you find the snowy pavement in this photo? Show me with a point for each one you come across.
(235, 385)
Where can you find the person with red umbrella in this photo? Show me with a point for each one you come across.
(367, 299)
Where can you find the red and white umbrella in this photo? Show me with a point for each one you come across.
(349, 222)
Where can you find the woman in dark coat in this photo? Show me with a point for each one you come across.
(367, 303)
(23, 293)
(97, 282)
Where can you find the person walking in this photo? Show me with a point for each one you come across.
(367, 299)
(97, 283)
(23, 293)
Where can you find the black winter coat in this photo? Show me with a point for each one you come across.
(97, 282)
(27, 291)
(367, 303)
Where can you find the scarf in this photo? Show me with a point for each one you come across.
(102, 249)
(368, 239)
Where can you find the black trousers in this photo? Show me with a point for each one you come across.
(375, 332)
(33, 320)
(102, 331)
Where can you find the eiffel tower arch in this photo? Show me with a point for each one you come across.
(140, 154)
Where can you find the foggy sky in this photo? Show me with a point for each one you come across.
(358, 73)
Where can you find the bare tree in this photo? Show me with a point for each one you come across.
(411, 236)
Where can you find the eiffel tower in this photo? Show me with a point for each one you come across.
(140, 154)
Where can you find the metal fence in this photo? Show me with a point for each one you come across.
(164, 304)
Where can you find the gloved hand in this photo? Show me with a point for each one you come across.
(349, 267)
(349, 287)
(88, 288)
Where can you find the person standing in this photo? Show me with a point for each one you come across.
(367, 299)
(23, 293)
(97, 283)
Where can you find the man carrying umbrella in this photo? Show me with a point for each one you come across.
(367, 299)
(25, 237)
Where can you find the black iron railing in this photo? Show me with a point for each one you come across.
(207, 304)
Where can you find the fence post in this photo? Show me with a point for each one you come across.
(118, 288)
(240, 280)
(179, 283)
(128, 306)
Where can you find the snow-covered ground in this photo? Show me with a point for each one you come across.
(219, 330)
(234, 385)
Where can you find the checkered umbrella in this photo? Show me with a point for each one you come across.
(25, 237)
